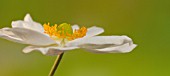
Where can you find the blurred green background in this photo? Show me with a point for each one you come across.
(147, 22)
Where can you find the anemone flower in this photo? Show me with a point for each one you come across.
(56, 39)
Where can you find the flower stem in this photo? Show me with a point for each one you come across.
(56, 64)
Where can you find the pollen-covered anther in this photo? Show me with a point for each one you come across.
(64, 31)
(50, 30)
(78, 33)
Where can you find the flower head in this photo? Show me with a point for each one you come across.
(55, 39)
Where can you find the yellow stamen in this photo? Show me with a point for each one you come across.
(78, 33)
(50, 30)
(54, 32)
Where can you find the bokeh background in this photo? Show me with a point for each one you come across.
(147, 22)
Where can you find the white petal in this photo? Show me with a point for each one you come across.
(18, 23)
(106, 44)
(125, 48)
(28, 23)
(28, 18)
(51, 50)
(29, 49)
(100, 40)
(92, 31)
(74, 27)
(4, 33)
(32, 37)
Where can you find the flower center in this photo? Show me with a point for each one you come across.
(64, 31)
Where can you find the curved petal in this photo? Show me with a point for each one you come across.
(100, 40)
(92, 31)
(18, 23)
(4, 33)
(105, 44)
(51, 50)
(28, 23)
(28, 18)
(125, 48)
(74, 27)
(32, 37)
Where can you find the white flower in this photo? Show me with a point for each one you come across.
(41, 39)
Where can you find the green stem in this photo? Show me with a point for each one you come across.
(56, 64)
